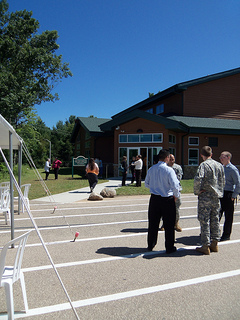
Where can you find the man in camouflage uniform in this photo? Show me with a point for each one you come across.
(179, 173)
(209, 183)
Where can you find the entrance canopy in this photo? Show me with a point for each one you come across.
(5, 129)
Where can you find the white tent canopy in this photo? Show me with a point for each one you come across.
(5, 129)
(10, 140)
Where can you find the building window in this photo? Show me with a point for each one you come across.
(141, 138)
(193, 141)
(87, 145)
(193, 157)
(122, 152)
(172, 151)
(123, 138)
(87, 135)
(172, 138)
(133, 138)
(149, 110)
(158, 137)
(213, 141)
(160, 109)
(145, 138)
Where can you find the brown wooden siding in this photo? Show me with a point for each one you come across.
(104, 149)
(214, 99)
(225, 143)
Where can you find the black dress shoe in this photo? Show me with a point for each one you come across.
(174, 249)
(225, 238)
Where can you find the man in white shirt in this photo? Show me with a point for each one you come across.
(138, 170)
(165, 189)
(231, 191)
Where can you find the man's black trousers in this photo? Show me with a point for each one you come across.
(161, 207)
(138, 174)
(227, 207)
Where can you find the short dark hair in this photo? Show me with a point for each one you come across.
(163, 154)
(206, 151)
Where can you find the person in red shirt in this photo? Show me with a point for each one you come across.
(56, 165)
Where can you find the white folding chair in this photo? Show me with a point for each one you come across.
(5, 203)
(25, 190)
(5, 184)
(9, 275)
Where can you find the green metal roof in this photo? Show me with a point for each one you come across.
(169, 123)
(92, 124)
(89, 124)
(179, 123)
(209, 125)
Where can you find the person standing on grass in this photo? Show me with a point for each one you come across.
(56, 166)
(164, 188)
(92, 171)
(209, 183)
(47, 168)
(138, 170)
(124, 173)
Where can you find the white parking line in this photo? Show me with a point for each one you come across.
(127, 294)
(91, 214)
(108, 259)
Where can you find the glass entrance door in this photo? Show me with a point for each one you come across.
(132, 152)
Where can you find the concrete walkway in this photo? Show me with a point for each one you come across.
(81, 193)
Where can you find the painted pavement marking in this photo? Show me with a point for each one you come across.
(126, 294)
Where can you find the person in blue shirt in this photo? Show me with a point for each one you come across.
(231, 191)
(164, 187)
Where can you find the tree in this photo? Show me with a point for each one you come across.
(34, 133)
(29, 66)
(60, 137)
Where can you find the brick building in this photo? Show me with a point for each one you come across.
(182, 118)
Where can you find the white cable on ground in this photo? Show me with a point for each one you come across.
(37, 230)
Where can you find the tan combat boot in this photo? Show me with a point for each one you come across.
(177, 227)
(204, 249)
(214, 246)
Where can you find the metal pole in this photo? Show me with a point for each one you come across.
(19, 173)
(11, 186)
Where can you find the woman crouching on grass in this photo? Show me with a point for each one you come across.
(92, 171)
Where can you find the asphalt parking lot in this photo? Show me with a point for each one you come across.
(109, 274)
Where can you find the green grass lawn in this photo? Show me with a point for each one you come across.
(187, 186)
(65, 183)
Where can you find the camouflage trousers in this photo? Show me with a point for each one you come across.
(208, 216)
(178, 203)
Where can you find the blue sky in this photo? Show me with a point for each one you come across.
(119, 51)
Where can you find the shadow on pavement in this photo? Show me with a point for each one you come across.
(79, 192)
(122, 251)
(189, 241)
(181, 252)
(135, 230)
